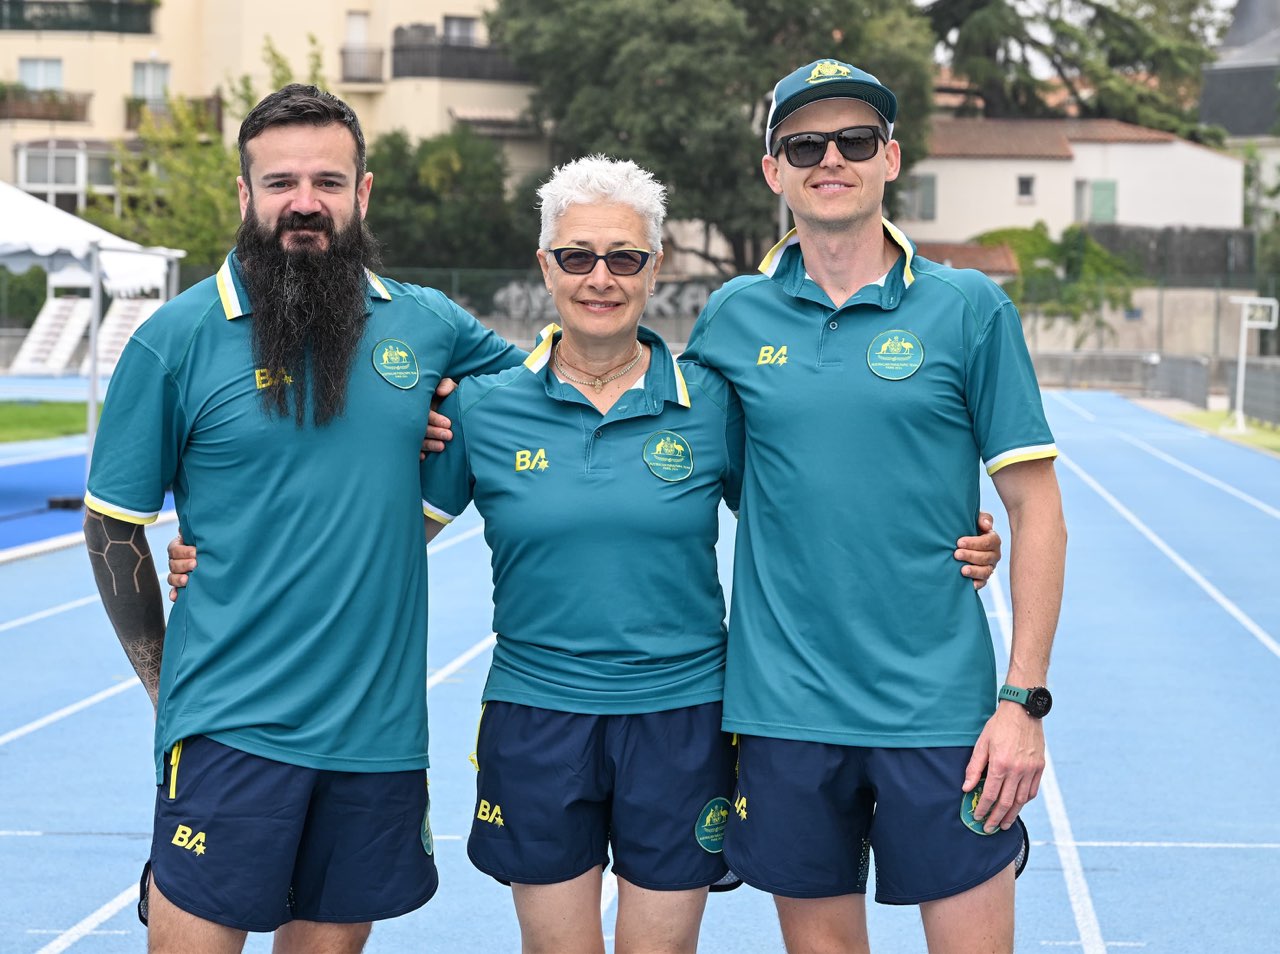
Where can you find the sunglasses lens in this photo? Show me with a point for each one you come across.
(624, 262)
(576, 261)
(805, 149)
(857, 143)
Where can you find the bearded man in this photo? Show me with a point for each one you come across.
(284, 402)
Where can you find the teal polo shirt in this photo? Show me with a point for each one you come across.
(866, 426)
(302, 637)
(603, 530)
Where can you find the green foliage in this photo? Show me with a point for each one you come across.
(1073, 278)
(439, 203)
(683, 88)
(244, 92)
(35, 420)
(178, 190)
(21, 296)
(1132, 60)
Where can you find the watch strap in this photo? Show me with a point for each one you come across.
(1010, 693)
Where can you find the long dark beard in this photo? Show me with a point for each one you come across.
(308, 310)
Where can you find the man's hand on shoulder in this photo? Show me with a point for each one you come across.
(439, 427)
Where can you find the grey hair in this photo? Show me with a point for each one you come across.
(598, 178)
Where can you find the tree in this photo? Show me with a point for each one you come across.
(21, 296)
(439, 203)
(1074, 278)
(1132, 60)
(683, 88)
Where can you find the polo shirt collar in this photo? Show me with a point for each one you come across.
(235, 301)
(784, 263)
(663, 382)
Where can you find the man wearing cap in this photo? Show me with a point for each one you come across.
(875, 383)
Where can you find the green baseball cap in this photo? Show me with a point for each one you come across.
(828, 79)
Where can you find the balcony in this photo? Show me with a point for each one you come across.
(207, 112)
(53, 105)
(362, 64)
(452, 61)
(103, 16)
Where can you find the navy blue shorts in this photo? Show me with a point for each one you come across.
(559, 791)
(809, 816)
(253, 843)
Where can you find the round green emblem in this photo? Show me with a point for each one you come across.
(894, 355)
(967, 804)
(395, 361)
(710, 827)
(668, 455)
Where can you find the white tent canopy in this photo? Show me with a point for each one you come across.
(33, 232)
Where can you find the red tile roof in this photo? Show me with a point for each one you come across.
(952, 138)
(993, 259)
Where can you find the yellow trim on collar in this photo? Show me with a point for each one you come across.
(774, 255)
(231, 306)
(895, 233)
(537, 359)
(380, 288)
(682, 389)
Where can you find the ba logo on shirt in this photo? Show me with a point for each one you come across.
(531, 460)
(263, 378)
(771, 355)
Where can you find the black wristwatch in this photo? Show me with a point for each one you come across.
(1036, 700)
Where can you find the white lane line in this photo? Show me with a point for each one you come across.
(1072, 870)
(1067, 402)
(465, 535)
(104, 913)
(46, 613)
(608, 891)
(41, 547)
(1201, 475)
(1215, 594)
(72, 709)
(39, 458)
(449, 668)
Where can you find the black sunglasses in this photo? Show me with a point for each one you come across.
(581, 261)
(856, 143)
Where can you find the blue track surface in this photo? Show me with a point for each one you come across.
(1157, 828)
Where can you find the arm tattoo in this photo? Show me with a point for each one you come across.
(130, 590)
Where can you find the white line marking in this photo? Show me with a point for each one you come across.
(1215, 594)
(1109, 943)
(608, 891)
(465, 535)
(104, 913)
(90, 934)
(41, 547)
(1212, 481)
(20, 834)
(39, 458)
(68, 710)
(45, 614)
(1067, 402)
(1072, 870)
(449, 668)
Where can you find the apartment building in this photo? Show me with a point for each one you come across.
(75, 76)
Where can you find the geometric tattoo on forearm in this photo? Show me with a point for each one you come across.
(126, 577)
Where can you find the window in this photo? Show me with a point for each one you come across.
(65, 174)
(101, 171)
(1026, 190)
(50, 168)
(460, 31)
(1095, 200)
(40, 73)
(919, 198)
(151, 81)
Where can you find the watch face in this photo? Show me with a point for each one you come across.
(1039, 702)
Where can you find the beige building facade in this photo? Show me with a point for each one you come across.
(74, 77)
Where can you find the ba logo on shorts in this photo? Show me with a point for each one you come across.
(710, 827)
(490, 813)
(184, 838)
(770, 355)
(740, 806)
(531, 460)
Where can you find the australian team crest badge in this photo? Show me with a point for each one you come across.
(895, 355)
(668, 456)
(396, 362)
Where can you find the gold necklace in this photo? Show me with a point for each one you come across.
(597, 382)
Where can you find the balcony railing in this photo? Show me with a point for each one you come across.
(105, 16)
(207, 110)
(362, 64)
(450, 61)
(54, 105)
